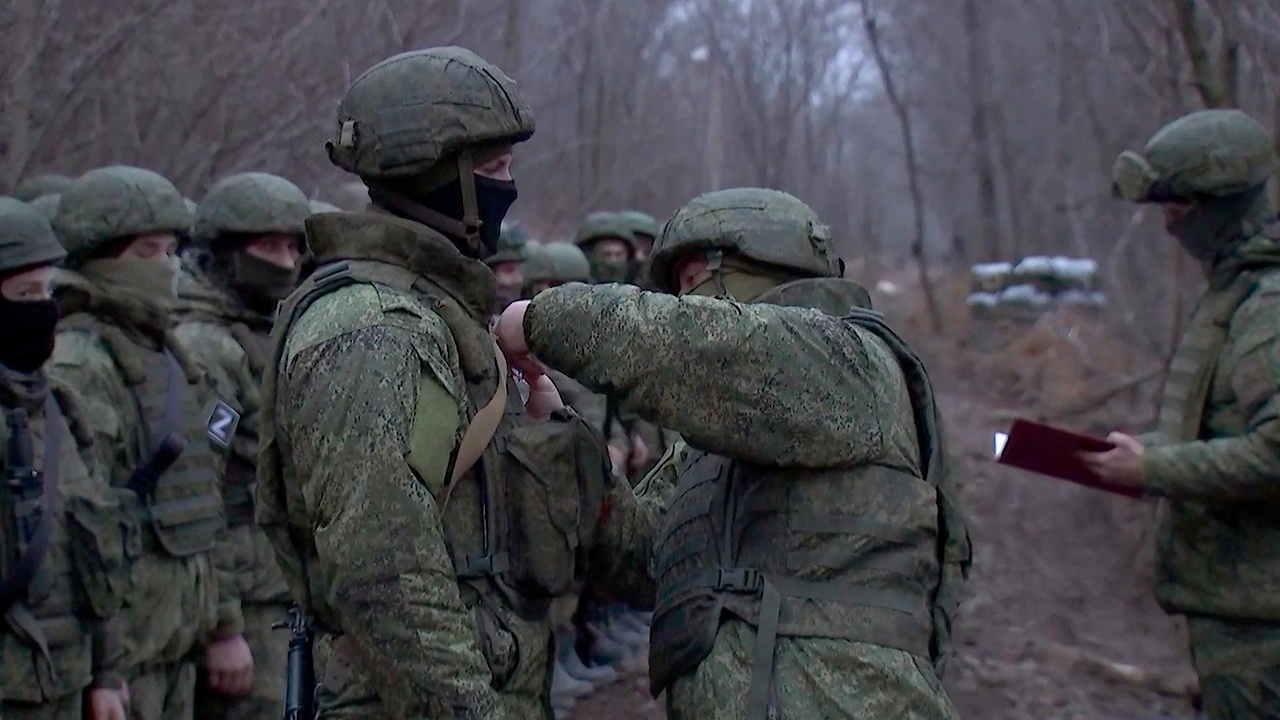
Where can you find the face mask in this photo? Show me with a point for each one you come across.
(262, 283)
(151, 280)
(741, 286)
(29, 327)
(1210, 225)
(493, 199)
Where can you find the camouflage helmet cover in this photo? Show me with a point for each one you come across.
(251, 204)
(46, 205)
(1210, 152)
(764, 226)
(568, 262)
(38, 185)
(512, 245)
(409, 112)
(641, 223)
(602, 225)
(26, 238)
(117, 202)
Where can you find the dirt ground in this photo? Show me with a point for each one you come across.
(1060, 623)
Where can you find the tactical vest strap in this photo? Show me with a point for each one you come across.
(24, 570)
(854, 525)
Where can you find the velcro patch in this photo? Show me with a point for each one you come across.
(222, 424)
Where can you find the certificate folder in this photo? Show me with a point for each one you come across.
(1047, 450)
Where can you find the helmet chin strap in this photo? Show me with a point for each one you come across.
(467, 229)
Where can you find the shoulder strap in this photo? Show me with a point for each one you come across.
(24, 570)
(1220, 312)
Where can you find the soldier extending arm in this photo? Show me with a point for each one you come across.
(378, 535)
(657, 351)
(1246, 465)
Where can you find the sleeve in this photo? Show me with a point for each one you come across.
(348, 406)
(779, 385)
(1246, 465)
(622, 558)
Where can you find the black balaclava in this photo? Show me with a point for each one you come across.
(29, 328)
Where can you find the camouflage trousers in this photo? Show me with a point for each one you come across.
(163, 692)
(1238, 662)
(813, 678)
(68, 708)
(270, 660)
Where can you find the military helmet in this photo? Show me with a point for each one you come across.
(641, 223)
(116, 202)
(1207, 153)
(38, 185)
(601, 225)
(411, 111)
(568, 262)
(46, 205)
(513, 245)
(251, 203)
(764, 226)
(26, 238)
(323, 207)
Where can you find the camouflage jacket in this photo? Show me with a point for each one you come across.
(60, 636)
(1218, 464)
(778, 386)
(173, 603)
(231, 343)
(377, 383)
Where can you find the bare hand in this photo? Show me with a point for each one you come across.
(639, 452)
(510, 330)
(544, 398)
(1121, 465)
(107, 704)
(230, 665)
(125, 697)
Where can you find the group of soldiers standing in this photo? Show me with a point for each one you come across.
(458, 471)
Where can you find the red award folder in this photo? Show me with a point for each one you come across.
(1047, 450)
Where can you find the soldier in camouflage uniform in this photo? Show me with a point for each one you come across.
(812, 555)
(41, 185)
(420, 513)
(610, 245)
(158, 431)
(58, 595)
(646, 230)
(252, 227)
(1215, 455)
(506, 265)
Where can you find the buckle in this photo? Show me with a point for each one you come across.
(474, 566)
(739, 580)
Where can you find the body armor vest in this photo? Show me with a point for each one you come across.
(52, 619)
(803, 552)
(546, 515)
(185, 509)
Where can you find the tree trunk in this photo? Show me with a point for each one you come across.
(990, 237)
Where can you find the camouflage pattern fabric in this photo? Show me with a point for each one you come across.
(270, 666)
(34, 187)
(830, 407)
(231, 342)
(1238, 662)
(173, 604)
(67, 708)
(164, 692)
(83, 578)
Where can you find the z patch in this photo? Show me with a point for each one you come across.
(223, 421)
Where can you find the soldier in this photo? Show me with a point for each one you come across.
(610, 245)
(506, 265)
(251, 225)
(62, 565)
(811, 560)
(646, 231)
(421, 516)
(156, 433)
(40, 185)
(1215, 455)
